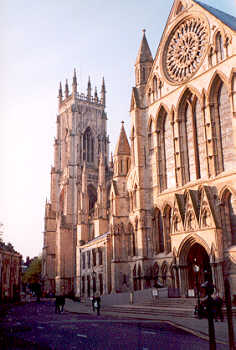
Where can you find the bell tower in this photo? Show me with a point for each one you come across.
(81, 150)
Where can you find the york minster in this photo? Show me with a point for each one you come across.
(166, 199)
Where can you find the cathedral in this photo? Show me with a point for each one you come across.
(165, 202)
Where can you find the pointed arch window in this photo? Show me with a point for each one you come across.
(151, 137)
(158, 234)
(228, 218)
(191, 139)
(219, 47)
(161, 151)
(155, 89)
(222, 130)
(88, 146)
(167, 228)
(131, 240)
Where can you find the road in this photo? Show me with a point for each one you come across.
(36, 326)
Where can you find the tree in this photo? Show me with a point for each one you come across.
(33, 274)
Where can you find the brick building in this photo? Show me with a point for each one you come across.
(10, 273)
(168, 200)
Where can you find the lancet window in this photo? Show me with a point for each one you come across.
(151, 132)
(191, 139)
(222, 131)
(157, 231)
(219, 47)
(167, 228)
(228, 218)
(88, 146)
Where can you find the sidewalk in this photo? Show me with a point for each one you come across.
(192, 325)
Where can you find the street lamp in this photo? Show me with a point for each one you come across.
(209, 287)
(196, 269)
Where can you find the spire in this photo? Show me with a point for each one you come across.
(103, 93)
(66, 89)
(143, 63)
(95, 94)
(144, 53)
(74, 84)
(60, 96)
(89, 90)
(122, 147)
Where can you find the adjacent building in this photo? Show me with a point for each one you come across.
(10, 273)
(166, 201)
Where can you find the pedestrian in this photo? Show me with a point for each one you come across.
(97, 303)
(59, 303)
(63, 300)
(218, 303)
(93, 300)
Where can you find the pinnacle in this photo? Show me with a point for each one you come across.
(144, 54)
(122, 147)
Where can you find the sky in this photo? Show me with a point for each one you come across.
(41, 44)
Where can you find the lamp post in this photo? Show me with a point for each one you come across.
(196, 269)
(209, 287)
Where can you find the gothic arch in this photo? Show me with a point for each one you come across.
(151, 134)
(165, 149)
(232, 80)
(88, 145)
(221, 125)
(187, 243)
(228, 217)
(218, 30)
(217, 78)
(155, 270)
(224, 189)
(167, 220)
(161, 107)
(191, 130)
(131, 240)
(161, 149)
(188, 89)
(92, 194)
(157, 231)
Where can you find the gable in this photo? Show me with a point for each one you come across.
(208, 216)
(183, 51)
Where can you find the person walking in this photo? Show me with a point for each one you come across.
(97, 303)
(93, 300)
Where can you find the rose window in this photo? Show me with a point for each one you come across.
(185, 49)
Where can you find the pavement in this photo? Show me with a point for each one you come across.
(191, 324)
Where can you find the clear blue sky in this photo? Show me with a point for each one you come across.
(41, 43)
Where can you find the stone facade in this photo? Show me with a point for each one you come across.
(10, 273)
(167, 201)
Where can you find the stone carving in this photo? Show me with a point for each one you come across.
(185, 49)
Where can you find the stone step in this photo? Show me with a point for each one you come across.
(157, 310)
(186, 303)
(174, 312)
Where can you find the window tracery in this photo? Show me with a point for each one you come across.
(185, 49)
(88, 146)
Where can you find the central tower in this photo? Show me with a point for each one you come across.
(80, 144)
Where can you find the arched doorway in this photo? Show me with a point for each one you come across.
(197, 255)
